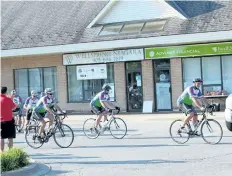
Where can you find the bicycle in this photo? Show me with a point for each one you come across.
(205, 123)
(18, 127)
(57, 128)
(118, 123)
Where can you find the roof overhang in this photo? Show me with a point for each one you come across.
(123, 44)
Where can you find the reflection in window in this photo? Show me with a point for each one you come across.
(36, 79)
(191, 70)
(227, 73)
(132, 28)
(21, 83)
(154, 26)
(109, 30)
(85, 90)
(211, 70)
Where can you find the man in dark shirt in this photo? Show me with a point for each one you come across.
(6, 118)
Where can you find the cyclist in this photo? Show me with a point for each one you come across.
(101, 104)
(30, 104)
(19, 105)
(186, 100)
(43, 109)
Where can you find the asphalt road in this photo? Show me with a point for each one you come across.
(147, 150)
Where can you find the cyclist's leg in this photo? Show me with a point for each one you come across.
(40, 117)
(50, 118)
(195, 117)
(97, 111)
(20, 116)
(104, 113)
(188, 109)
(28, 114)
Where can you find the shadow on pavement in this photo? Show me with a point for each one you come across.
(56, 172)
(128, 162)
(58, 156)
(128, 146)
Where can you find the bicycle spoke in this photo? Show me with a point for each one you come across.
(89, 129)
(63, 136)
(118, 128)
(31, 138)
(211, 131)
(177, 134)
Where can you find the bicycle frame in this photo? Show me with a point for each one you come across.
(204, 118)
(112, 117)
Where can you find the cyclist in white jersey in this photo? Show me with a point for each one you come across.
(188, 98)
(19, 105)
(30, 103)
(44, 109)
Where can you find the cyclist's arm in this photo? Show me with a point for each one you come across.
(26, 103)
(46, 106)
(57, 107)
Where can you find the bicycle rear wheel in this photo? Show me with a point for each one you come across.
(31, 137)
(66, 135)
(211, 131)
(118, 128)
(179, 136)
(89, 129)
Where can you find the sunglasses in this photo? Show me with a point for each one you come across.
(50, 94)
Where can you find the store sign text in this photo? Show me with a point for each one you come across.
(189, 50)
(103, 57)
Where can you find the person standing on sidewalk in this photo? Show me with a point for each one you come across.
(7, 121)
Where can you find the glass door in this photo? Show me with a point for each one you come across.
(134, 87)
(162, 85)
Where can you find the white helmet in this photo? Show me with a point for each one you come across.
(48, 90)
(33, 92)
(13, 92)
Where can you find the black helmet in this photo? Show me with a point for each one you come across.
(106, 87)
(197, 80)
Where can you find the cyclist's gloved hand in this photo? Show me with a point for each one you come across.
(202, 109)
(116, 107)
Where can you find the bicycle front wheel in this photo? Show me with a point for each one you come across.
(211, 131)
(64, 134)
(118, 128)
(89, 128)
(177, 134)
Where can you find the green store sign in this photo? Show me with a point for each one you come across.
(189, 50)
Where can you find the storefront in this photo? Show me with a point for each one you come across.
(121, 69)
(210, 62)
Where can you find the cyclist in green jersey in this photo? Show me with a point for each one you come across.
(101, 104)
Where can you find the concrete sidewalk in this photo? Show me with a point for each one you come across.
(141, 117)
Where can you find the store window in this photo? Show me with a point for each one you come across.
(215, 72)
(191, 70)
(227, 73)
(211, 75)
(85, 81)
(35, 79)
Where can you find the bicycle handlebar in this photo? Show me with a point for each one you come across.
(111, 110)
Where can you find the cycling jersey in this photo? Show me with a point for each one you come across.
(189, 92)
(18, 101)
(101, 96)
(40, 106)
(31, 102)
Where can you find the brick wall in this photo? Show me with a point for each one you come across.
(176, 80)
(120, 85)
(148, 81)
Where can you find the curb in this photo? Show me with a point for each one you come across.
(33, 169)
